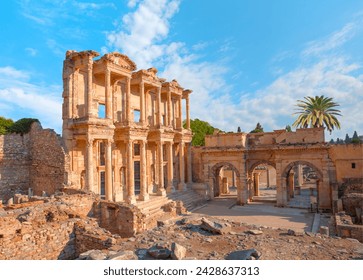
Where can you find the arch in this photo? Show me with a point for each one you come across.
(292, 164)
(257, 163)
(214, 171)
(219, 165)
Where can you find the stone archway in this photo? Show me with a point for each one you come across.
(262, 185)
(214, 176)
(294, 190)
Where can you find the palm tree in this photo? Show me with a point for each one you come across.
(317, 111)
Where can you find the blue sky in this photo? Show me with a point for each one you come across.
(246, 61)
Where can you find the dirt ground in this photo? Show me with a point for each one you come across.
(271, 243)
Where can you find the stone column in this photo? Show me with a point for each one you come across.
(130, 174)
(268, 177)
(188, 111)
(169, 109)
(142, 103)
(128, 100)
(181, 185)
(89, 165)
(143, 188)
(180, 124)
(300, 175)
(291, 184)
(170, 188)
(160, 169)
(224, 185)
(256, 181)
(250, 190)
(108, 94)
(189, 165)
(158, 105)
(108, 173)
(89, 87)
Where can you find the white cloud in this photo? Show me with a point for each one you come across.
(332, 41)
(9, 72)
(142, 36)
(31, 51)
(141, 31)
(20, 97)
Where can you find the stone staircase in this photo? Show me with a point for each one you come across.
(153, 208)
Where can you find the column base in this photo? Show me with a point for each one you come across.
(131, 199)
(182, 187)
(144, 197)
(161, 192)
(170, 189)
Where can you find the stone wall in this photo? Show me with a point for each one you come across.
(35, 160)
(345, 227)
(56, 229)
(15, 160)
(49, 165)
(348, 160)
(119, 218)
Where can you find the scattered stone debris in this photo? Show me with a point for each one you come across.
(255, 232)
(214, 227)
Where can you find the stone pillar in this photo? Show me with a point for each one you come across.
(180, 124)
(142, 103)
(160, 169)
(130, 174)
(188, 111)
(224, 185)
(89, 87)
(189, 165)
(143, 188)
(181, 186)
(128, 100)
(250, 190)
(169, 109)
(170, 188)
(108, 173)
(256, 182)
(89, 165)
(291, 184)
(108, 94)
(158, 104)
(300, 175)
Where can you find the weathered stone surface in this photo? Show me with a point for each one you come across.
(178, 252)
(159, 252)
(96, 255)
(124, 255)
(255, 232)
(215, 227)
(244, 255)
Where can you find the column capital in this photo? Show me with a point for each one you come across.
(90, 141)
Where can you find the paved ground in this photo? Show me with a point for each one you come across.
(264, 214)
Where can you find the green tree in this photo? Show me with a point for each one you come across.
(200, 129)
(5, 124)
(347, 139)
(22, 126)
(318, 111)
(257, 129)
(355, 138)
(238, 129)
(288, 128)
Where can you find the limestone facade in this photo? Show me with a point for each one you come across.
(123, 128)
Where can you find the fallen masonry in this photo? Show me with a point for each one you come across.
(70, 227)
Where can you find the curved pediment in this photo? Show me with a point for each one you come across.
(120, 60)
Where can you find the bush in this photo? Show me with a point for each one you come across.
(5, 124)
(22, 126)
